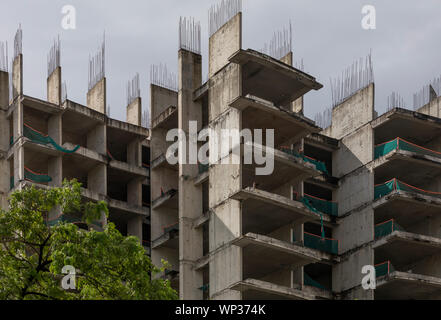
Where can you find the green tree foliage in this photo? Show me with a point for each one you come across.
(32, 254)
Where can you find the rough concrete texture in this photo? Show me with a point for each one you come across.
(352, 113)
(134, 112)
(223, 43)
(96, 97)
(54, 87)
(17, 76)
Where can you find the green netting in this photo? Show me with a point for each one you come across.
(318, 164)
(324, 206)
(11, 141)
(385, 148)
(308, 281)
(401, 144)
(202, 168)
(69, 219)
(205, 287)
(310, 207)
(11, 183)
(36, 177)
(383, 269)
(37, 137)
(381, 190)
(385, 228)
(323, 244)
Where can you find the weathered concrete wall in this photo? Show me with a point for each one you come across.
(96, 97)
(190, 196)
(224, 88)
(54, 87)
(17, 76)
(161, 99)
(432, 108)
(297, 105)
(224, 43)
(134, 112)
(347, 274)
(4, 138)
(354, 112)
(225, 179)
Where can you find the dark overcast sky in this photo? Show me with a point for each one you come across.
(406, 46)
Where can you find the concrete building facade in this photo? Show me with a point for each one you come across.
(44, 142)
(364, 191)
(361, 192)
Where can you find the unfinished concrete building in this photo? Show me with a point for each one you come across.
(363, 191)
(44, 142)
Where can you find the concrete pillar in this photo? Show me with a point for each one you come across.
(97, 139)
(134, 152)
(297, 105)
(225, 266)
(4, 138)
(54, 87)
(17, 76)
(134, 227)
(134, 112)
(96, 97)
(190, 196)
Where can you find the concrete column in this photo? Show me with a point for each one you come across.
(297, 105)
(190, 196)
(96, 97)
(4, 138)
(97, 139)
(17, 76)
(134, 227)
(134, 112)
(54, 87)
(225, 266)
(134, 152)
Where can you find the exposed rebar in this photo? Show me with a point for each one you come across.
(220, 14)
(53, 57)
(145, 119)
(427, 93)
(18, 42)
(395, 100)
(280, 44)
(97, 65)
(356, 77)
(160, 76)
(190, 35)
(133, 90)
(4, 56)
(299, 65)
(324, 119)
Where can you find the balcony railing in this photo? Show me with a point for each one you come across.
(320, 243)
(322, 205)
(319, 165)
(401, 144)
(383, 189)
(383, 269)
(385, 228)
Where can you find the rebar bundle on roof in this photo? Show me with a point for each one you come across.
(4, 56)
(133, 90)
(18, 42)
(299, 65)
(280, 44)
(53, 57)
(323, 119)
(190, 35)
(220, 14)
(145, 119)
(427, 93)
(97, 65)
(160, 76)
(356, 77)
(395, 100)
